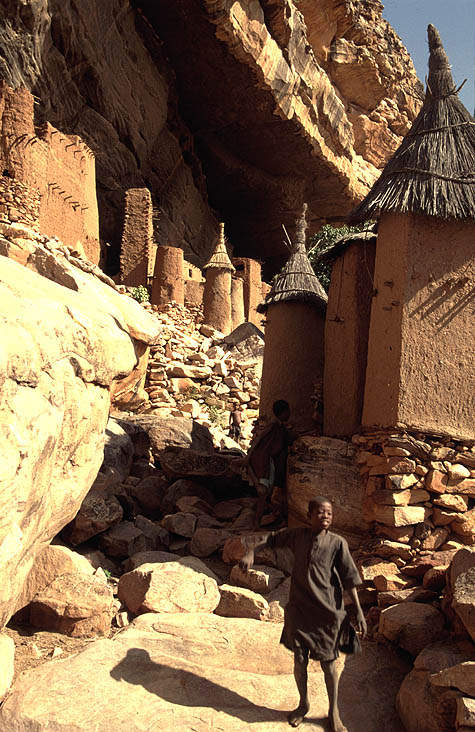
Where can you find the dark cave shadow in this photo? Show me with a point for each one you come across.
(187, 689)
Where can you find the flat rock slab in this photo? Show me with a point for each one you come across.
(194, 674)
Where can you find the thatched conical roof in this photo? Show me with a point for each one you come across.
(296, 282)
(433, 170)
(220, 259)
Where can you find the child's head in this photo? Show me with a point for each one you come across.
(281, 410)
(320, 513)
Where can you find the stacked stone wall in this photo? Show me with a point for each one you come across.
(19, 203)
(420, 498)
(48, 166)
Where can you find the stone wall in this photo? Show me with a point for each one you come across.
(53, 172)
(420, 494)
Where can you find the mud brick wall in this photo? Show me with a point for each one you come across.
(249, 270)
(420, 498)
(138, 252)
(48, 166)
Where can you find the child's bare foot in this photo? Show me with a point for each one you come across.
(336, 725)
(297, 716)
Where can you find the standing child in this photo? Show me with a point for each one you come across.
(316, 624)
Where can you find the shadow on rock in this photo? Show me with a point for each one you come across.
(187, 689)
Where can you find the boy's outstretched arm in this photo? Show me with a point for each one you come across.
(360, 618)
(251, 543)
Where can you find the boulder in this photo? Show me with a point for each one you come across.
(181, 488)
(461, 677)
(400, 515)
(435, 578)
(149, 492)
(168, 587)
(187, 672)
(99, 511)
(258, 578)
(180, 523)
(148, 557)
(465, 713)
(463, 560)
(61, 351)
(423, 707)
(52, 562)
(7, 654)
(172, 431)
(411, 594)
(227, 510)
(463, 600)
(422, 564)
(187, 463)
(330, 464)
(411, 625)
(74, 604)
(156, 536)
(118, 450)
(194, 504)
(445, 653)
(123, 540)
(208, 541)
(239, 602)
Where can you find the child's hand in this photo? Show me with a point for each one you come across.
(246, 562)
(361, 623)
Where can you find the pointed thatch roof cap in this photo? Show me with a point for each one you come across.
(220, 259)
(296, 282)
(433, 170)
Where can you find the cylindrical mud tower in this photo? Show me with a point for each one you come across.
(217, 293)
(294, 336)
(168, 283)
(237, 302)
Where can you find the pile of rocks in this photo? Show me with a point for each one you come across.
(157, 532)
(420, 494)
(439, 693)
(197, 372)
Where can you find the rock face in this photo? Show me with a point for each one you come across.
(304, 102)
(62, 348)
(196, 672)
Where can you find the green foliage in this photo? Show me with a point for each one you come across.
(107, 572)
(322, 242)
(140, 294)
(192, 392)
(217, 416)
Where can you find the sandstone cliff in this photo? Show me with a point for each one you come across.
(240, 108)
(66, 337)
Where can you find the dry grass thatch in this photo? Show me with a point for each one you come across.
(220, 258)
(296, 282)
(433, 170)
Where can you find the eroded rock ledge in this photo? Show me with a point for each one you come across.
(244, 108)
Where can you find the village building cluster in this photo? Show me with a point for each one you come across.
(380, 371)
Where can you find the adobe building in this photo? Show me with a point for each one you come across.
(194, 283)
(48, 178)
(168, 282)
(249, 270)
(294, 336)
(421, 352)
(350, 297)
(237, 302)
(138, 251)
(217, 291)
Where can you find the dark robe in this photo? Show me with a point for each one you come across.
(315, 616)
(272, 444)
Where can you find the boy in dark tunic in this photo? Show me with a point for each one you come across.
(316, 624)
